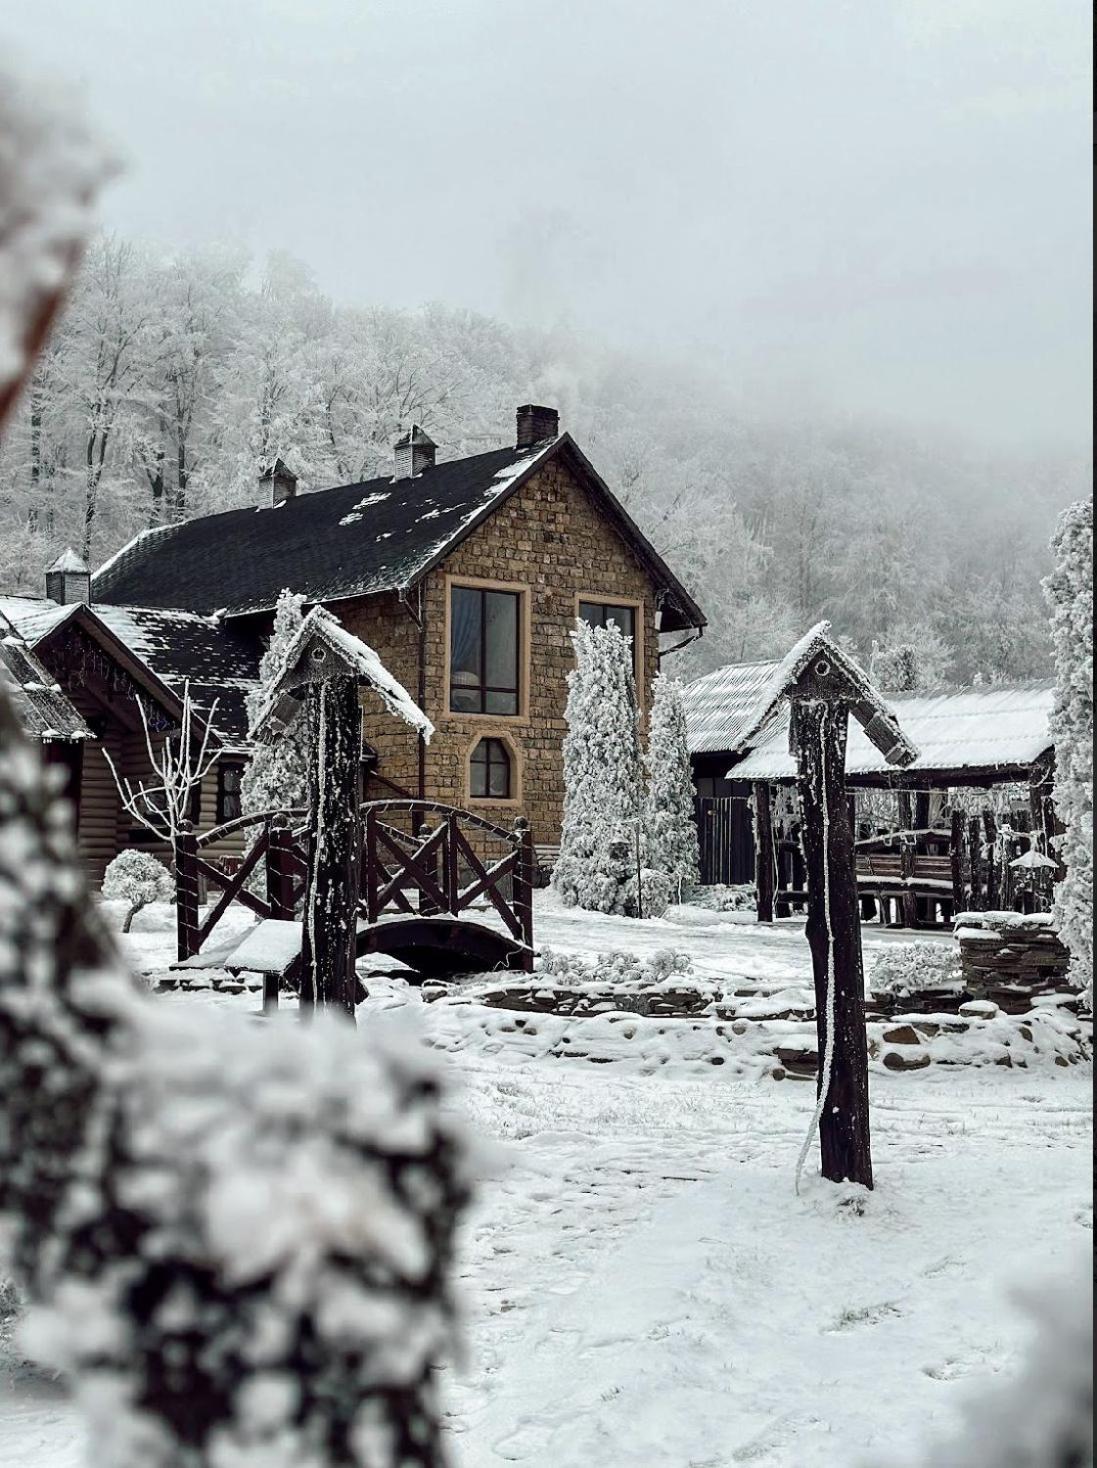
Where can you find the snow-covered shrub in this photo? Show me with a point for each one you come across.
(648, 894)
(602, 774)
(671, 821)
(258, 1267)
(137, 878)
(235, 1240)
(276, 777)
(1044, 1417)
(1069, 592)
(903, 969)
(618, 968)
(737, 897)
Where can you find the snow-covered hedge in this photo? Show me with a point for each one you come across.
(618, 968)
(235, 1240)
(137, 878)
(737, 897)
(904, 969)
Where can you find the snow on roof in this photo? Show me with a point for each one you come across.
(722, 705)
(360, 657)
(69, 560)
(42, 708)
(967, 729)
(177, 647)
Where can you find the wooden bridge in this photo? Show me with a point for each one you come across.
(429, 876)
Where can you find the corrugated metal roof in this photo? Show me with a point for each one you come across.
(967, 729)
(42, 708)
(724, 706)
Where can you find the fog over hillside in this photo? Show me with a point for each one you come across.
(173, 379)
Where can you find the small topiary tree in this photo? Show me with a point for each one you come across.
(672, 845)
(603, 790)
(137, 878)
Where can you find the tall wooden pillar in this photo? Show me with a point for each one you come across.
(335, 843)
(819, 731)
(765, 857)
(961, 867)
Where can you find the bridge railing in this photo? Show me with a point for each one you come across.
(446, 861)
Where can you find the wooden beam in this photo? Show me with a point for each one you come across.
(819, 734)
(765, 857)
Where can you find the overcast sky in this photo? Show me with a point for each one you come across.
(881, 205)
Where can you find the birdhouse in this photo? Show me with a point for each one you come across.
(321, 652)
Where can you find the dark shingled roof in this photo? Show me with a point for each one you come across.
(41, 706)
(356, 540)
(174, 646)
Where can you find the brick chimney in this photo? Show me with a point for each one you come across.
(282, 481)
(68, 580)
(536, 425)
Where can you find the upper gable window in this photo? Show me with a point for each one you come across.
(603, 613)
(484, 653)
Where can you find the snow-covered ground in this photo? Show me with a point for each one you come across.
(643, 1287)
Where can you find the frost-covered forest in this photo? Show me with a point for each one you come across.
(172, 380)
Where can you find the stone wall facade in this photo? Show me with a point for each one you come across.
(550, 542)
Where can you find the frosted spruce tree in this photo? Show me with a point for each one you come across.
(1069, 592)
(277, 774)
(672, 846)
(603, 788)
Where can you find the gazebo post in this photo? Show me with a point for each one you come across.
(765, 858)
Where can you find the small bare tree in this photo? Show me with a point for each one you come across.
(162, 801)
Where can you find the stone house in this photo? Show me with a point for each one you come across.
(466, 576)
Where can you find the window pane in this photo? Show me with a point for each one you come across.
(499, 774)
(478, 772)
(501, 618)
(464, 648)
(593, 612)
(501, 703)
(622, 617)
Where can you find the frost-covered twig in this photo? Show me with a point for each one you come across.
(162, 804)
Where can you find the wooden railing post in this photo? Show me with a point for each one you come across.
(371, 867)
(185, 856)
(523, 888)
(765, 859)
(451, 877)
(279, 874)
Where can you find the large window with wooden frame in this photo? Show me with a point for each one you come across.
(622, 615)
(484, 651)
(491, 775)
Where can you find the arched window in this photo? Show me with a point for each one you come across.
(490, 771)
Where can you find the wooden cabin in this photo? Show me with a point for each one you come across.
(924, 852)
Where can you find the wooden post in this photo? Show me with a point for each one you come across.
(451, 879)
(523, 888)
(960, 867)
(331, 899)
(187, 939)
(279, 869)
(819, 730)
(906, 810)
(990, 833)
(765, 861)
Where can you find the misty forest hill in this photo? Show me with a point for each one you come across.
(170, 382)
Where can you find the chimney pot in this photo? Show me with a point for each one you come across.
(413, 453)
(282, 481)
(68, 580)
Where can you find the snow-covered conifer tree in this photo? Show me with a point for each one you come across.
(1069, 591)
(277, 774)
(672, 846)
(603, 789)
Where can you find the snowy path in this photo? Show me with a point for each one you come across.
(643, 1288)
